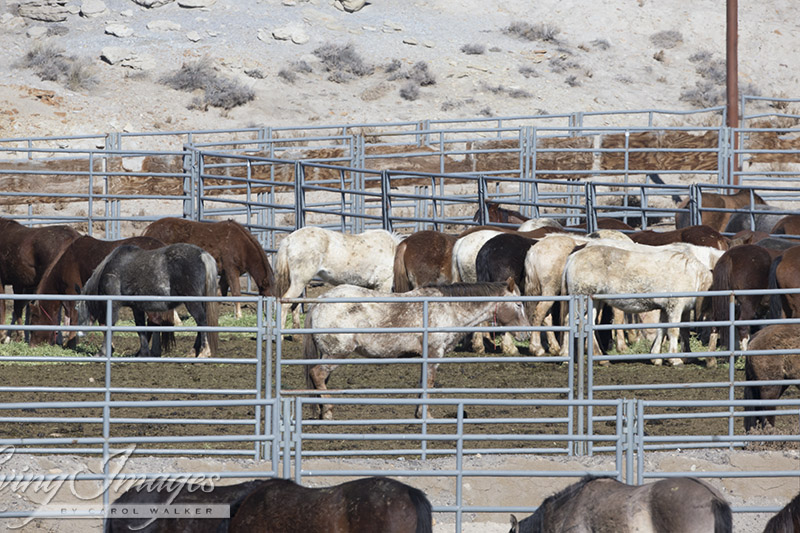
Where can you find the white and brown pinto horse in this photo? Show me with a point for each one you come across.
(366, 315)
(613, 270)
(365, 259)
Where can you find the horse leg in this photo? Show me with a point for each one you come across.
(619, 334)
(319, 374)
(507, 343)
(541, 311)
(656, 347)
(201, 347)
(233, 282)
(477, 342)
(429, 384)
(144, 346)
(673, 335)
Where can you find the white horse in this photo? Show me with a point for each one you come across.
(536, 223)
(465, 250)
(365, 259)
(544, 265)
(612, 270)
(459, 313)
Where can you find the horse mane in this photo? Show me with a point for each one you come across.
(787, 519)
(482, 288)
(262, 255)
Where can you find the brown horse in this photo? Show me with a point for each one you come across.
(788, 225)
(25, 254)
(787, 520)
(176, 492)
(770, 367)
(367, 505)
(232, 246)
(717, 219)
(423, 258)
(67, 275)
(743, 267)
(500, 215)
(784, 273)
(701, 235)
(672, 505)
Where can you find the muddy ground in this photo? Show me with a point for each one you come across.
(530, 374)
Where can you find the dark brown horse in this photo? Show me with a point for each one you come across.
(787, 520)
(770, 367)
(175, 492)
(234, 248)
(742, 267)
(25, 254)
(673, 505)
(784, 273)
(68, 274)
(701, 235)
(717, 219)
(367, 505)
(500, 215)
(423, 258)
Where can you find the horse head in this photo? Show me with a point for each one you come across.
(512, 313)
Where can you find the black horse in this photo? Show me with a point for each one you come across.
(175, 270)
(787, 520)
(674, 505)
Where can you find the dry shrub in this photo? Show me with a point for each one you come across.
(533, 32)
(473, 49)
(50, 64)
(342, 62)
(218, 91)
(666, 39)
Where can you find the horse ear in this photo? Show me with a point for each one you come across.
(514, 525)
(512, 287)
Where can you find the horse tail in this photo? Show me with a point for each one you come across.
(775, 303)
(168, 337)
(723, 518)
(719, 304)
(401, 281)
(282, 274)
(310, 351)
(424, 510)
(212, 308)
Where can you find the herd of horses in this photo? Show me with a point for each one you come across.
(176, 257)
(385, 505)
(492, 265)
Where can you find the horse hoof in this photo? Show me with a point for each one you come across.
(326, 415)
(711, 362)
(604, 363)
(658, 362)
(675, 361)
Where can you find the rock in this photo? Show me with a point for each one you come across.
(153, 3)
(264, 35)
(44, 10)
(115, 54)
(410, 40)
(193, 36)
(10, 22)
(350, 6)
(93, 8)
(36, 32)
(140, 62)
(192, 4)
(163, 25)
(118, 30)
(290, 33)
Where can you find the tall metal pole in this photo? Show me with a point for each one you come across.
(732, 59)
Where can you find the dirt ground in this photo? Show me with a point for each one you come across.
(531, 373)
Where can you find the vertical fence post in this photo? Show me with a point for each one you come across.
(299, 196)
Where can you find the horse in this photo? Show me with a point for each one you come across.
(701, 235)
(503, 257)
(788, 225)
(365, 505)
(717, 219)
(25, 254)
(784, 273)
(367, 315)
(235, 250)
(500, 215)
(67, 275)
(423, 258)
(770, 367)
(365, 259)
(787, 520)
(597, 503)
(603, 269)
(741, 268)
(165, 492)
(174, 270)
(755, 221)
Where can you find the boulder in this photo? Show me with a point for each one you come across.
(163, 25)
(192, 4)
(119, 30)
(93, 8)
(153, 3)
(44, 10)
